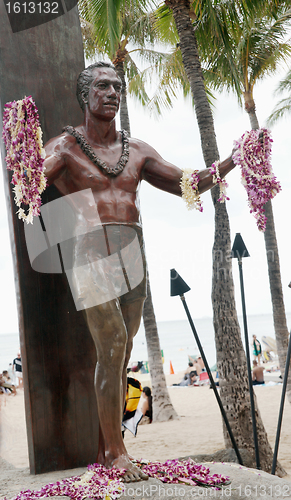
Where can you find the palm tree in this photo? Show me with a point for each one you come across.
(134, 27)
(231, 357)
(283, 107)
(257, 48)
(231, 361)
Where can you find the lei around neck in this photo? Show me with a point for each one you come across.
(88, 150)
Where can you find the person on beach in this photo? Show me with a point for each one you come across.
(2, 382)
(95, 156)
(146, 405)
(131, 415)
(257, 374)
(189, 368)
(197, 367)
(257, 349)
(8, 381)
(17, 370)
(193, 378)
(201, 363)
(6, 386)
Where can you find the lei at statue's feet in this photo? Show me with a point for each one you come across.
(132, 473)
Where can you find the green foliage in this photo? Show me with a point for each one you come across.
(247, 43)
(172, 77)
(255, 50)
(283, 107)
(111, 19)
(165, 25)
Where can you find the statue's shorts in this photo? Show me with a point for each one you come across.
(108, 264)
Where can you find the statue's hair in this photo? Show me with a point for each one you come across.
(85, 79)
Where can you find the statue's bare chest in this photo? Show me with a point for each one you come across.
(86, 173)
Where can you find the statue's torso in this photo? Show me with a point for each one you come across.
(116, 197)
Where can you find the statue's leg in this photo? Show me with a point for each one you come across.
(109, 332)
(132, 314)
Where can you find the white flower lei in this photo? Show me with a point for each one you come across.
(189, 187)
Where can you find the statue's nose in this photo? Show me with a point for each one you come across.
(111, 90)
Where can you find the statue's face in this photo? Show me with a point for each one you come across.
(104, 94)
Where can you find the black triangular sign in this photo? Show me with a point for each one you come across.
(178, 285)
(239, 250)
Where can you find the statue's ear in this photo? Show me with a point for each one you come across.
(84, 98)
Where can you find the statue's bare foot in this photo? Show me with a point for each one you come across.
(132, 472)
(100, 459)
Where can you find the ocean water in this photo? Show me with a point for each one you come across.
(176, 340)
(9, 347)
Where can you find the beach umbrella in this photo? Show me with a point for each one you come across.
(239, 251)
(179, 287)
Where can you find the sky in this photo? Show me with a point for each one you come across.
(176, 237)
(182, 239)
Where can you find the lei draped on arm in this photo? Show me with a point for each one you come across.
(253, 154)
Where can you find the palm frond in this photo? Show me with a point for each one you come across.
(217, 20)
(282, 108)
(108, 16)
(151, 57)
(255, 50)
(105, 15)
(284, 85)
(140, 28)
(165, 26)
(267, 46)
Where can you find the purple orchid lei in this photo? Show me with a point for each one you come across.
(254, 155)
(186, 471)
(98, 482)
(25, 155)
(101, 483)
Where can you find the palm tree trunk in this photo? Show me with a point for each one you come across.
(188, 46)
(250, 108)
(118, 64)
(163, 409)
(279, 315)
(273, 262)
(231, 361)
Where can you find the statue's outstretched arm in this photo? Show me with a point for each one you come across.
(166, 176)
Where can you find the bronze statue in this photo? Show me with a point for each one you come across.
(96, 156)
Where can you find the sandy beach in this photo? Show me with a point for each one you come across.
(198, 430)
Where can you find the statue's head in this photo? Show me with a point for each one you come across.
(85, 79)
